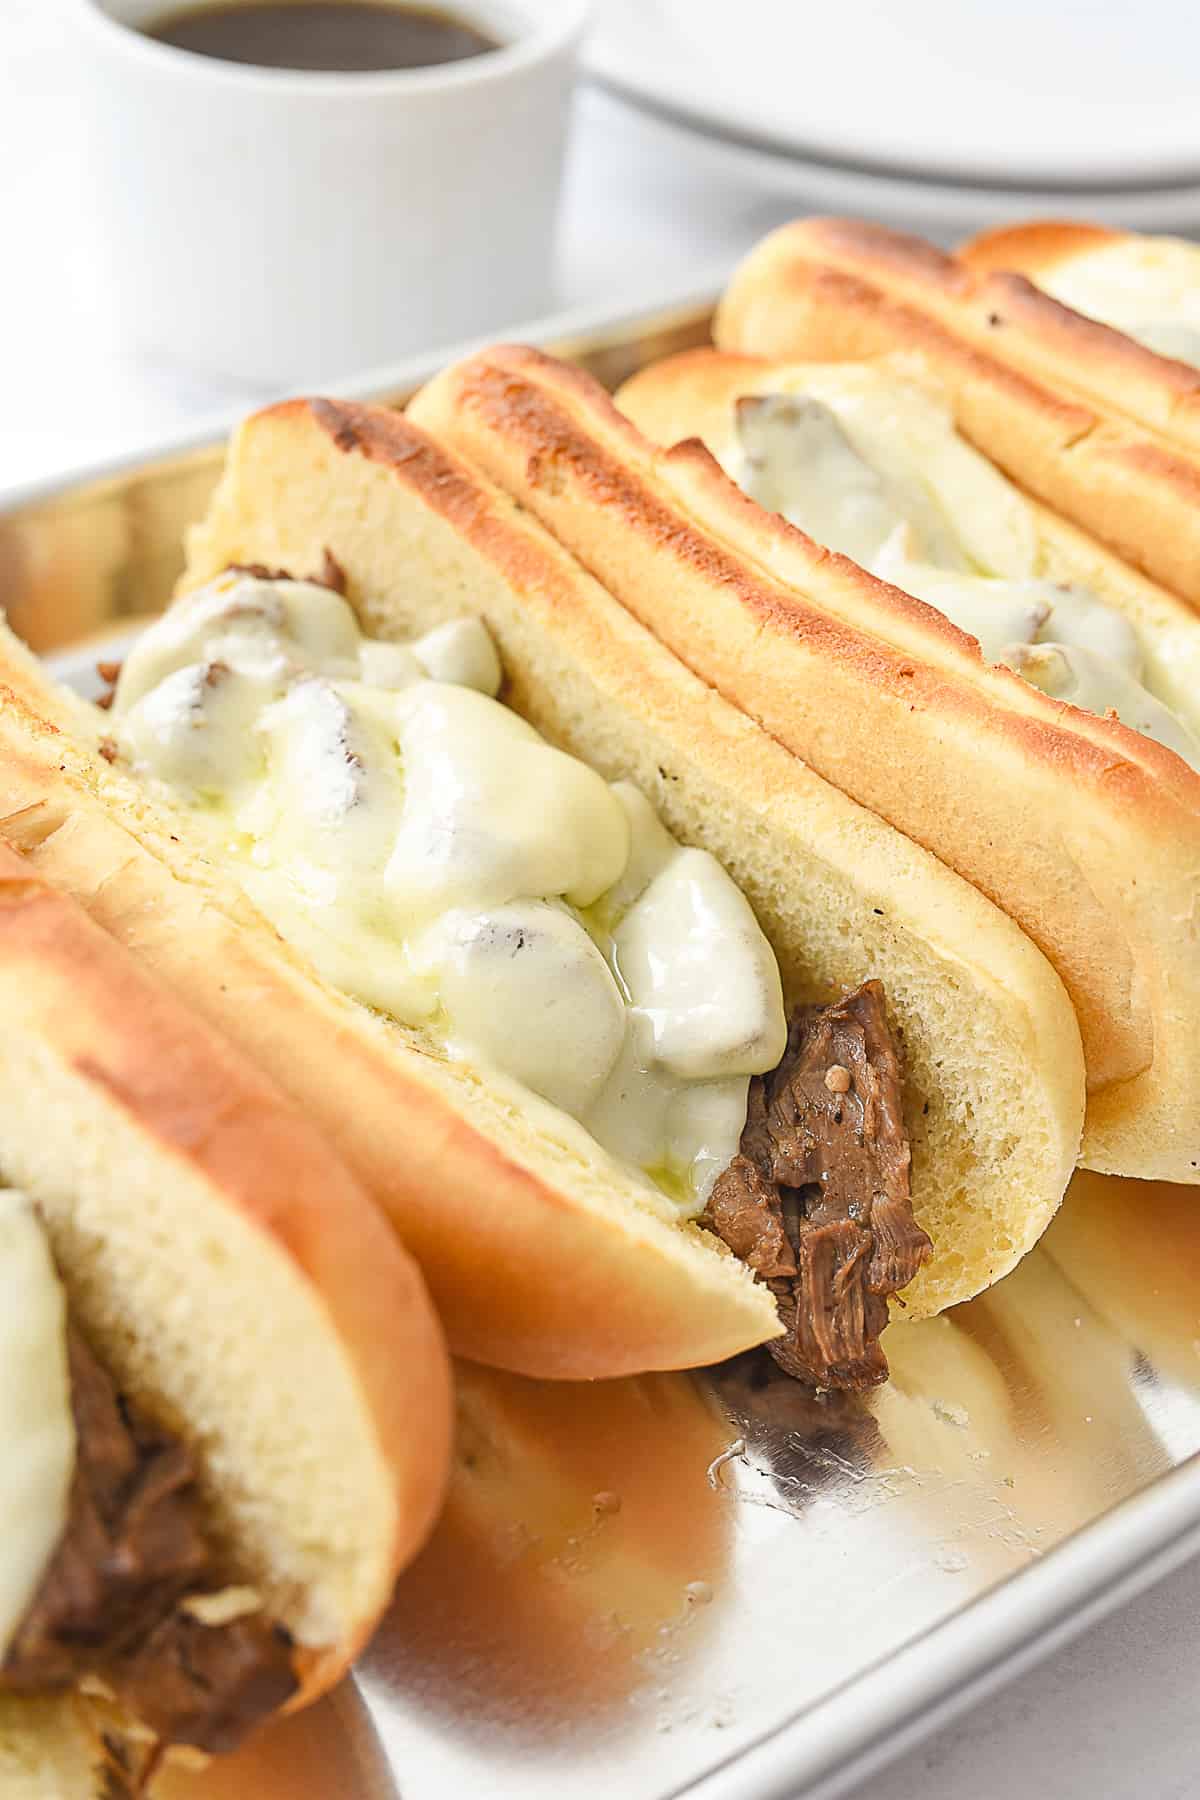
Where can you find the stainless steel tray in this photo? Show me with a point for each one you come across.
(717, 1584)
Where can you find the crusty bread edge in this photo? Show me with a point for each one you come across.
(568, 607)
(1105, 363)
(1032, 244)
(695, 390)
(1162, 819)
(430, 535)
(863, 290)
(189, 1097)
(654, 1297)
(550, 434)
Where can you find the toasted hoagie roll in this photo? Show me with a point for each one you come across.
(225, 1395)
(865, 458)
(1006, 355)
(546, 1252)
(1086, 832)
(1146, 290)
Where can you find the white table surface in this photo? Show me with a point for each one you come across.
(647, 212)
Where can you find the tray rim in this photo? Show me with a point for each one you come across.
(901, 1698)
(838, 1741)
(560, 332)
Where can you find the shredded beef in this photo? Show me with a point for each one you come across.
(332, 575)
(131, 1547)
(108, 1604)
(817, 1200)
(208, 1684)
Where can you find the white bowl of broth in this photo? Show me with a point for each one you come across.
(323, 36)
(289, 190)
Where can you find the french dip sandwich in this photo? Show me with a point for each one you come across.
(225, 1397)
(1014, 367)
(653, 1045)
(1145, 290)
(1080, 827)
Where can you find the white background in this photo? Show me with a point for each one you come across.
(647, 212)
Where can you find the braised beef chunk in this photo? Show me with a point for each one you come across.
(108, 1603)
(208, 1684)
(817, 1202)
(746, 1213)
(132, 1544)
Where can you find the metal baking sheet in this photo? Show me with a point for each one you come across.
(717, 1584)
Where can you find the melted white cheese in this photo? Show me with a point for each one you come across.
(439, 860)
(460, 651)
(195, 728)
(1098, 685)
(685, 1133)
(492, 813)
(256, 626)
(712, 1003)
(846, 450)
(1000, 612)
(699, 1019)
(1148, 288)
(528, 991)
(963, 512)
(996, 610)
(798, 461)
(37, 1429)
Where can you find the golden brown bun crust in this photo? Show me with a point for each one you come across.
(1032, 245)
(524, 1275)
(841, 894)
(1055, 815)
(693, 395)
(1112, 369)
(195, 1100)
(1014, 365)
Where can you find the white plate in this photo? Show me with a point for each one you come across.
(1075, 95)
(944, 211)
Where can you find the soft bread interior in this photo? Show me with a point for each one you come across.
(225, 1268)
(990, 1043)
(1088, 837)
(46, 1751)
(543, 1254)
